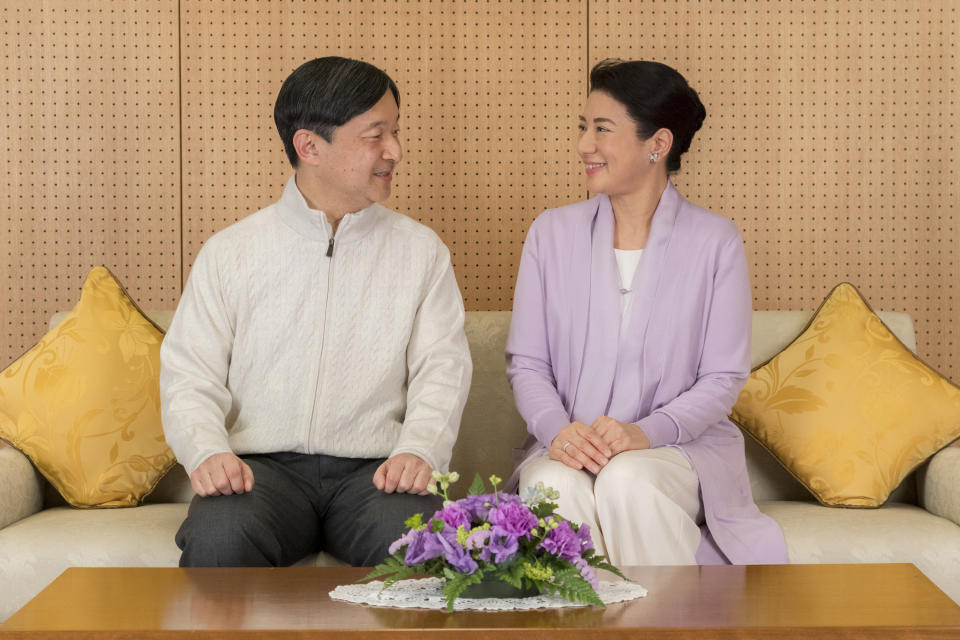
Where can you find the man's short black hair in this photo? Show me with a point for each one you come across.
(325, 93)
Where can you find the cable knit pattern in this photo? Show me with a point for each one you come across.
(277, 347)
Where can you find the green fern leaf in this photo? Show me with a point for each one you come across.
(510, 573)
(606, 566)
(515, 575)
(454, 587)
(404, 572)
(476, 487)
(576, 589)
(390, 565)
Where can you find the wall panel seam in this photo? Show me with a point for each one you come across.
(180, 134)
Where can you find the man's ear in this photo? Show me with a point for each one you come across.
(309, 146)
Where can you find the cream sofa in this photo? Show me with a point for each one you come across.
(40, 537)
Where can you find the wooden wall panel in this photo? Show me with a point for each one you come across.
(489, 96)
(89, 155)
(831, 139)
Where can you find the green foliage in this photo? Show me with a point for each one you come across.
(456, 584)
(537, 571)
(600, 564)
(393, 564)
(476, 487)
(402, 574)
(571, 586)
(511, 573)
(543, 509)
(532, 565)
(395, 568)
(415, 522)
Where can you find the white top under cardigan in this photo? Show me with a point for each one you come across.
(627, 262)
(277, 347)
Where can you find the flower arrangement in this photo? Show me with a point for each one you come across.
(516, 540)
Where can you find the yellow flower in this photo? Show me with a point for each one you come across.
(537, 571)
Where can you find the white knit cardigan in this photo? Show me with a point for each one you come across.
(278, 346)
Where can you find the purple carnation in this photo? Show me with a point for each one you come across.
(562, 541)
(454, 515)
(512, 519)
(479, 505)
(586, 542)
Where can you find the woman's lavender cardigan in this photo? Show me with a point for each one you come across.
(674, 369)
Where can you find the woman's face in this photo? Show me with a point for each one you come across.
(615, 159)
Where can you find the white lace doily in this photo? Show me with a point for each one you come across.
(425, 593)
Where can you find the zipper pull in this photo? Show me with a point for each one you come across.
(330, 248)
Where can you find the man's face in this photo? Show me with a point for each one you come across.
(356, 166)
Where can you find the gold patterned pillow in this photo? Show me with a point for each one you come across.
(84, 403)
(846, 408)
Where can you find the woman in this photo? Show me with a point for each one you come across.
(630, 341)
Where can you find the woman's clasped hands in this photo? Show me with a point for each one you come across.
(581, 446)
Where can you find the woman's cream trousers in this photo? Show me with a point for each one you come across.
(643, 507)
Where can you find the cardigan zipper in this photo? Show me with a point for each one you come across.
(323, 342)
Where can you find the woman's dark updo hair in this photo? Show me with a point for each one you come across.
(656, 97)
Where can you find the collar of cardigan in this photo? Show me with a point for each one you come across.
(313, 224)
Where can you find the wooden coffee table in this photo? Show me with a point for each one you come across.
(809, 601)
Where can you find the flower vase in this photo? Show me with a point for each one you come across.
(493, 588)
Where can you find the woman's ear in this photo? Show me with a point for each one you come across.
(662, 141)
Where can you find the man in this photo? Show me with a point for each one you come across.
(316, 369)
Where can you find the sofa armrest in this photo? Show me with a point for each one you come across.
(939, 485)
(21, 490)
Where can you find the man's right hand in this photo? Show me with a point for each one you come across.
(222, 474)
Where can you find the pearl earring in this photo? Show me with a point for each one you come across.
(654, 157)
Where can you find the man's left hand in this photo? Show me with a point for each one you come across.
(403, 473)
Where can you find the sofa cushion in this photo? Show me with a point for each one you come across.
(83, 404)
(39, 548)
(893, 533)
(847, 408)
(491, 428)
(774, 330)
(21, 487)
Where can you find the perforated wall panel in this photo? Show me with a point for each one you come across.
(489, 97)
(89, 156)
(831, 139)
